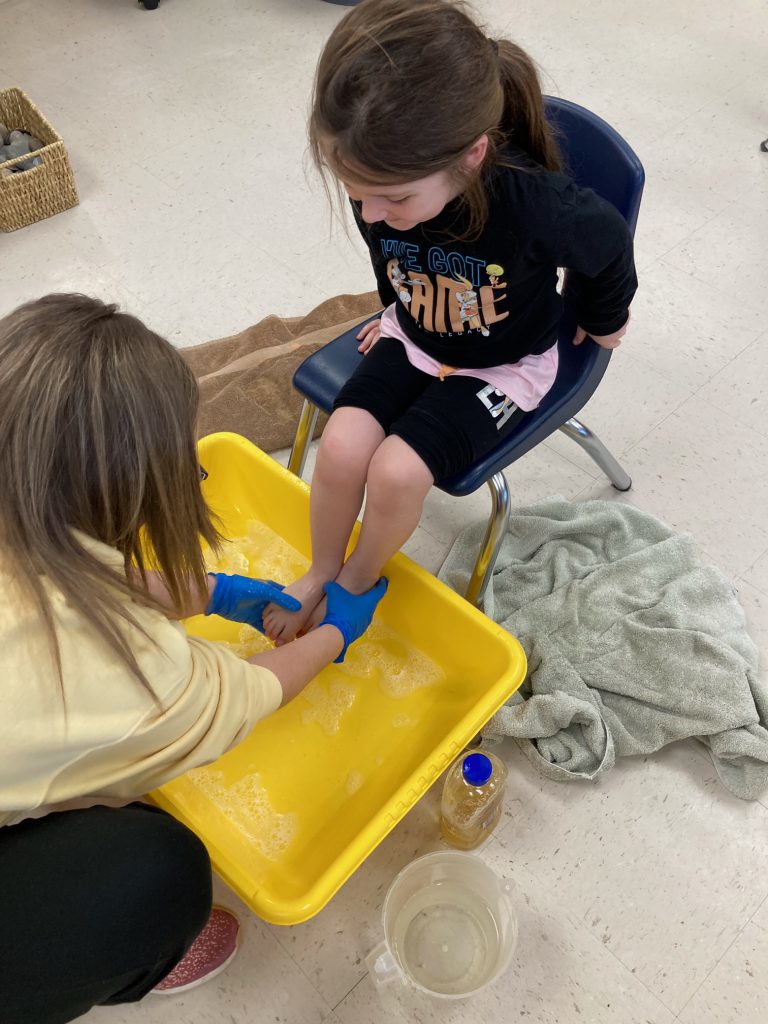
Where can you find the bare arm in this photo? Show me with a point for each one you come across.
(298, 662)
(295, 664)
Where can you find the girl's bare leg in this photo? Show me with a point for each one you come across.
(398, 482)
(348, 444)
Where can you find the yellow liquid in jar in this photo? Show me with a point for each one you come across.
(463, 837)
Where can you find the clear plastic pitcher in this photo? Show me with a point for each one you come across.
(449, 928)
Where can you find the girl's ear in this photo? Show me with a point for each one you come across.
(476, 154)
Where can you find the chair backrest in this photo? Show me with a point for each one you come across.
(595, 157)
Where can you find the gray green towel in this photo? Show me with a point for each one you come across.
(632, 642)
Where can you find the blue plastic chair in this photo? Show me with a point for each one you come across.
(596, 157)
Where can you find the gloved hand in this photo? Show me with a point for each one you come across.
(243, 599)
(351, 614)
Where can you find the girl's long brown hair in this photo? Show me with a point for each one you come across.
(97, 435)
(405, 87)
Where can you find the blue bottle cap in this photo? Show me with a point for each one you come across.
(477, 769)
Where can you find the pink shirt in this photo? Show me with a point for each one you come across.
(525, 383)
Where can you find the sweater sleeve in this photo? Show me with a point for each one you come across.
(593, 243)
(217, 701)
(100, 733)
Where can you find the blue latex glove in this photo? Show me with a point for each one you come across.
(351, 614)
(243, 599)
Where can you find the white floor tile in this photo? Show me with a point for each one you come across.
(728, 252)
(761, 916)
(687, 330)
(732, 165)
(539, 474)
(212, 288)
(43, 263)
(736, 992)
(758, 574)
(755, 605)
(338, 263)
(424, 549)
(612, 855)
(123, 210)
(741, 387)
(672, 209)
(702, 474)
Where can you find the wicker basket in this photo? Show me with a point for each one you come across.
(44, 190)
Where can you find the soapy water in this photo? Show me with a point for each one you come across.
(261, 553)
(249, 642)
(247, 807)
(382, 655)
(447, 938)
(404, 721)
(354, 782)
(400, 669)
(327, 704)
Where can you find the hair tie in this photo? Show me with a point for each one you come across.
(494, 46)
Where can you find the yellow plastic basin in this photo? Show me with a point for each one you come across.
(324, 790)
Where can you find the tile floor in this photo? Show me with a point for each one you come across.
(642, 900)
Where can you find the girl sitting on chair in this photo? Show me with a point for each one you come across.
(438, 136)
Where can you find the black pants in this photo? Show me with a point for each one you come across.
(96, 907)
(449, 424)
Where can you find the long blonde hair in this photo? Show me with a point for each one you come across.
(404, 88)
(97, 435)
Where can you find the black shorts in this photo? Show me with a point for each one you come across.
(450, 424)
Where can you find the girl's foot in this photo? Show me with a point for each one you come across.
(316, 617)
(282, 626)
(355, 581)
(351, 580)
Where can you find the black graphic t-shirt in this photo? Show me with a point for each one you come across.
(494, 300)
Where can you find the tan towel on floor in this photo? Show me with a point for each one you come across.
(245, 380)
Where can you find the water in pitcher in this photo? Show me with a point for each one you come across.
(447, 939)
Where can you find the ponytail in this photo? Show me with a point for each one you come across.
(523, 120)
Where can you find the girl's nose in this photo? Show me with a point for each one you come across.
(373, 210)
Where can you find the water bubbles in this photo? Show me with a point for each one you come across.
(246, 805)
(354, 782)
(327, 704)
(399, 667)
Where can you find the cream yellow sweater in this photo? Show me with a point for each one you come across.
(97, 733)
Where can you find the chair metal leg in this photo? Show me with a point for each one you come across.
(305, 431)
(494, 535)
(597, 451)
